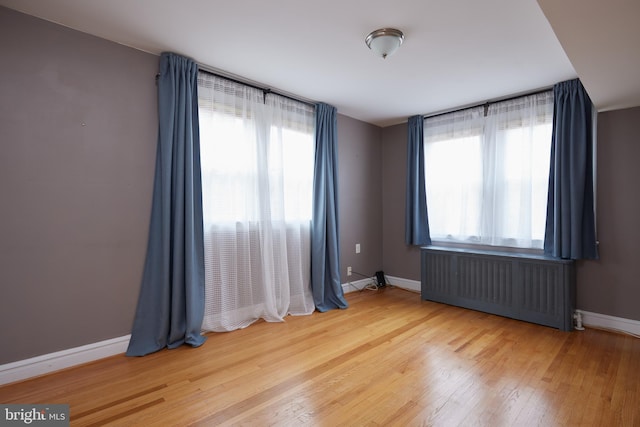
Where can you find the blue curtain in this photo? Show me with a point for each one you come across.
(171, 302)
(325, 254)
(416, 223)
(570, 230)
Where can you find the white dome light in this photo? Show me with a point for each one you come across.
(384, 41)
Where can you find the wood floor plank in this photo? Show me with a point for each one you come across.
(389, 359)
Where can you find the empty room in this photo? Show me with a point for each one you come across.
(334, 213)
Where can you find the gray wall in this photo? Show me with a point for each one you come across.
(610, 285)
(399, 259)
(359, 197)
(78, 136)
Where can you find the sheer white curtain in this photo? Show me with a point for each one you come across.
(487, 176)
(257, 173)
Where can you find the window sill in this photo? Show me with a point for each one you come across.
(489, 250)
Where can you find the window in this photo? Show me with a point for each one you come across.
(256, 154)
(257, 162)
(487, 175)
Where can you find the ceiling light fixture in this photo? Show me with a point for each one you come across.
(384, 41)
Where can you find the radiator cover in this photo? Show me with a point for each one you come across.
(532, 288)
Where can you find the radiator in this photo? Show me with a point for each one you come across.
(532, 288)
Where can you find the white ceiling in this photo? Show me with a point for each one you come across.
(456, 52)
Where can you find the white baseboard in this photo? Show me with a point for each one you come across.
(23, 369)
(603, 321)
(358, 285)
(411, 285)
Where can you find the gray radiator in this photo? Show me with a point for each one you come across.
(533, 288)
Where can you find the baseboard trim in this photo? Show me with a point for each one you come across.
(399, 282)
(604, 321)
(410, 285)
(47, 363)
(357, 285)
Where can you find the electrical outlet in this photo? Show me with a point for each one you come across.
(357, 248)
(349, 271)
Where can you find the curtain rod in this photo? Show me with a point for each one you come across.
(486, 104)
(265, 90)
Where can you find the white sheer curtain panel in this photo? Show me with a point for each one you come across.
(487, 176)
(257, 159)
(453, 174)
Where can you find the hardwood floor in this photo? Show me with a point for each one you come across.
(389, 359)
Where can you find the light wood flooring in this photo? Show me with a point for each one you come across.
(389, 359)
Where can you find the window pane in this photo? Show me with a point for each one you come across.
(453, 170)
(229, 165)
(525, 181)
(297, 169)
